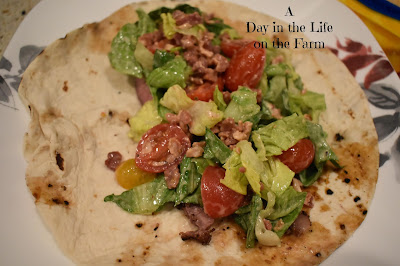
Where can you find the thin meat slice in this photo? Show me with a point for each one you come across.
(142, 91)
(199, 218)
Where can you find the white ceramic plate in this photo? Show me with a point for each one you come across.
(23, 238)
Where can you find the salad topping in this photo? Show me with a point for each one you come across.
(228, 129)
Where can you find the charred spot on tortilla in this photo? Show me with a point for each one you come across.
(65, 87)
(338, 137)
(139, 225)
(60, 161)
(329, 191)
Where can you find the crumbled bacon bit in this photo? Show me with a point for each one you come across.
(172, 176)
(308, 117)
(231, 133)
(267, 224)
(196, 150)
(183, 119)
(279, 225)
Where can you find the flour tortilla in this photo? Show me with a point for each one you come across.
(79, 106)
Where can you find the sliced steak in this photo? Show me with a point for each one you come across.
(199, 218)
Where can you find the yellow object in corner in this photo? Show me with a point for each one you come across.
(385, 29)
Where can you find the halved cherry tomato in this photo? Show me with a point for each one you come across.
(230, 47)
(205, 92)
(162, 146)
(298, 157)
(129, 175)
(245, 68)
(218, 200)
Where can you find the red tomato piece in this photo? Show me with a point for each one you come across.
(298, 157)
(218, 200)
(230, 47)
(162, 146)
(205, 92)
(245, 68)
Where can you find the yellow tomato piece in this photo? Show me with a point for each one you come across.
(129, 175)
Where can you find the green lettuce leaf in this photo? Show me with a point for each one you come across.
(123, 46)
(144, 199)
(204, 115)
(248, 220)
(191, 171)
(287, 221)
(218, 98)
(215, 149)
(146, 118)
(279, 176)
(288, 201)
(144, 57)
(323, 153)
(255, 169)
(243, 105)
(169, 25)
(279, 136)
(176, 99)
(170, 28)
(234, 179)
(172, 73)
(161, 57)
(185, 8)
(311, 103)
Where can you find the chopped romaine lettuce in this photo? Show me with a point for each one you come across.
(234, 178)
(308, 103)
(204, 115)
(285, 203)
(144, 57)
(215, 149)
(255, 169)
(122, 55)
(145, 23)
(170, 28)
(243, 105)
(174, 72)
(217, 26)
(248, 220)
(265, 237)
(218, 98)
(280, 135)
(144, 199)
(169, 25)
(191, 171)
(122, 52)
(287, 221)
(279, 175)
(185, 8)
(146, 118)
(161, 57)
(323, 153)
(176, 99)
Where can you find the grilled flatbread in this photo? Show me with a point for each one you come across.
(79, 108)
